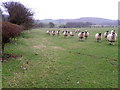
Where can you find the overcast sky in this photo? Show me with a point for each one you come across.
(71, 9)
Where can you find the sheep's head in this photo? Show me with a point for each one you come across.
(85, 31)
(113, 33)
(99, 34)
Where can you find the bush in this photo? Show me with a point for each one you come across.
(10, 31)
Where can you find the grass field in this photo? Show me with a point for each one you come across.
(55, 62)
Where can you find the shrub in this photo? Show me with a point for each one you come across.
(9, 31)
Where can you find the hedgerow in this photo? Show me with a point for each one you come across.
(10, 31)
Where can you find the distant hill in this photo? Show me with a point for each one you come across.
(94, 20)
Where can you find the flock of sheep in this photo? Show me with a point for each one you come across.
(110, 36)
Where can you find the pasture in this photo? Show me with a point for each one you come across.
(56, 62)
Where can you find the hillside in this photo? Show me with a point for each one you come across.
(94, 20)
(58, 62)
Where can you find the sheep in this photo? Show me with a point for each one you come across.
(71, 34)
(75, 31)
(81, 36)
(106, 34)
(86, 34)
(98, 36)
(58, 32)
(78, 30)
(111, 38)
(53, 32)
(48, 32)
(65, 34)
(62, 31)
(68, 31)
(114, 32)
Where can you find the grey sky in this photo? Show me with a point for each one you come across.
(70, 9)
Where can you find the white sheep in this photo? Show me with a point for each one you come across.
(78, 30)
(114, 32)
(106, 33)
(111, 38)
(71, 34)
(98, 36)
(86, 34)
(58, 32)
(65, 34)
(75, 31)
(81, 36)
(62, 31)
(48, 32)
(68, 31)
(53, 32)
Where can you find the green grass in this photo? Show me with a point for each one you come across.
(55, 62)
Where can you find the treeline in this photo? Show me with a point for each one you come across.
(43, 25)
(77, 24)
(67, 25)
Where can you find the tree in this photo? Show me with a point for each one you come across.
(51, 24)
(62, 26)
(41, 25)
(19, 14)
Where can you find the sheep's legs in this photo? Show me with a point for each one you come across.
(97, 41)
(110, 43)
(82, 40)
